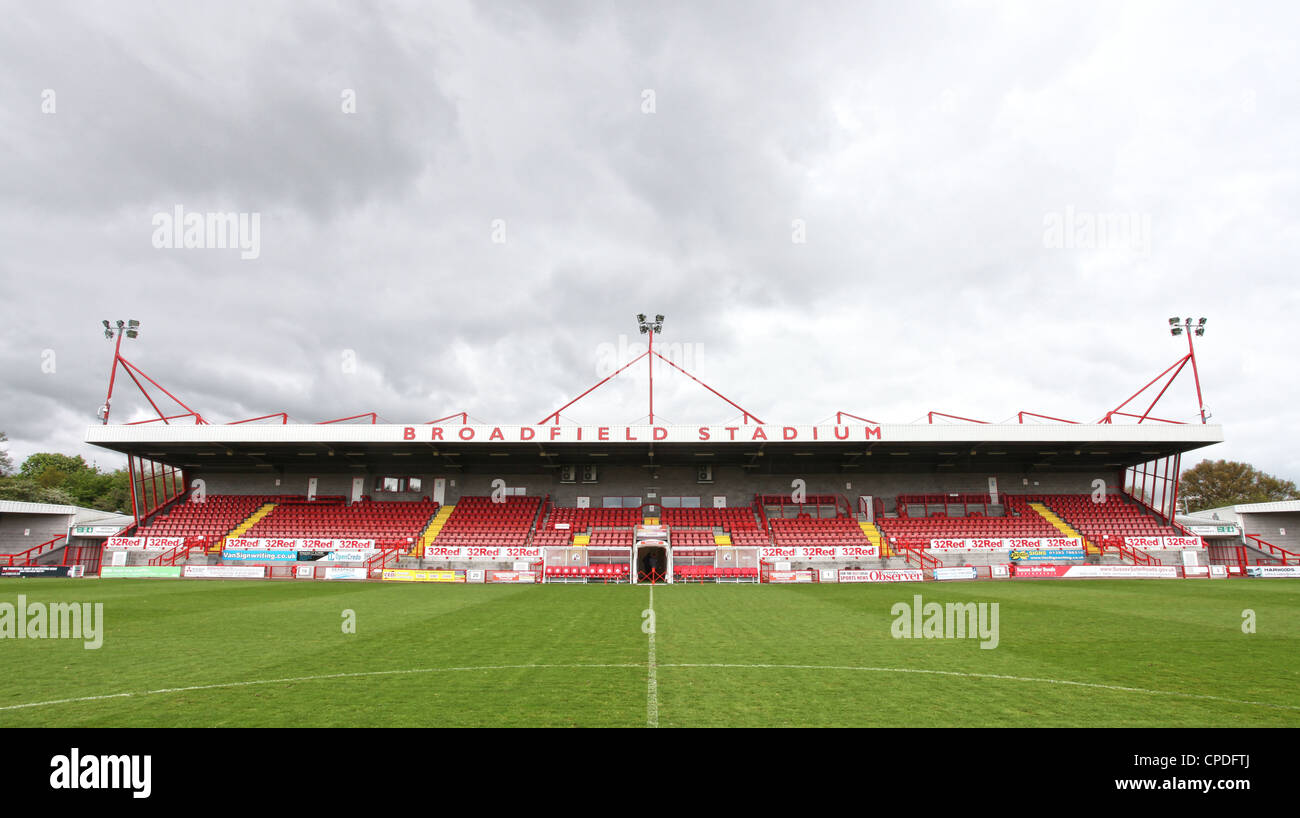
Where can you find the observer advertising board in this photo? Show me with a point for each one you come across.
(814, 553)
(223, 572)
(413, 575)
(882, 575)
(1273, 570)
(134, 571)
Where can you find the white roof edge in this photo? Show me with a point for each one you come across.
(711, 434)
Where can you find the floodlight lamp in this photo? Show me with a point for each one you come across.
(659, 319)
(108, 333)
(640, 317)
(1200, 331)
(1176, 331)
(132, 333)
(1173, 322)
(120, 323)
(134, 323)
(1201, 322)
(106, 324)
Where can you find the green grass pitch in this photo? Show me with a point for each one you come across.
(1083, 653)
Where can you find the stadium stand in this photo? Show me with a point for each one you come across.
(213, 519)
(478, 520)
(388, 523)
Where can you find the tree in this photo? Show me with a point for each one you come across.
(6, 462)
(1217, 483)
(48, 477)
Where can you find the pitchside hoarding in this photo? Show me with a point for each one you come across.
(985, 544)
(482, 553)
(882, 575)
(816, 553)
(1022, 571)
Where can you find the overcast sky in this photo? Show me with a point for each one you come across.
(884, 209)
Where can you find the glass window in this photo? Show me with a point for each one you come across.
(690, 502)
(414, 484)
(612, 502)
(672, 502)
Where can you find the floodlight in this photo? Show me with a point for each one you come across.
(106, 326)
(132, 323)
(1173, 322)
(1201, 322)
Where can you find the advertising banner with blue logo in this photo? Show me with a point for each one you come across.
(1047, 555)
(259, 556)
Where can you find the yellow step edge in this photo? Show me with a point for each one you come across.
(434, 528)
(249, 521)
(722, 539)
(875, 537)
(1064, 527)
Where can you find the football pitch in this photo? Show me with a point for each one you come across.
(191, 653)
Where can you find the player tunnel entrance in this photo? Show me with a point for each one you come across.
(652, 564)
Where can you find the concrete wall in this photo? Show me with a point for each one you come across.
(18, 532)
(1269, 527)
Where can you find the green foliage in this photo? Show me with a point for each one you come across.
(48, 477)
(1217, 483)
(6, 462)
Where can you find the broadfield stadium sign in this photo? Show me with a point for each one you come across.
(636, 434)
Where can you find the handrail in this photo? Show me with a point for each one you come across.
(1122, 548)
(28, 555)
(1287, 556)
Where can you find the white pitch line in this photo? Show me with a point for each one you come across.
(996, 676)
(221, 685)
(653, 666)
(652, 680)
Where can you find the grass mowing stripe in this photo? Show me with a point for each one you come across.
(996, 676)
(222, 685)
(652, 677)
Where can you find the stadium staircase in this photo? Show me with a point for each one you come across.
(434, 528)
(239, 530)
(875, 538)
(1089, 549)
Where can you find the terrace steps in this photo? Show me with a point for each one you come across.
(435, 526)
(875, 537)
(250, 521)
(1065, 528)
